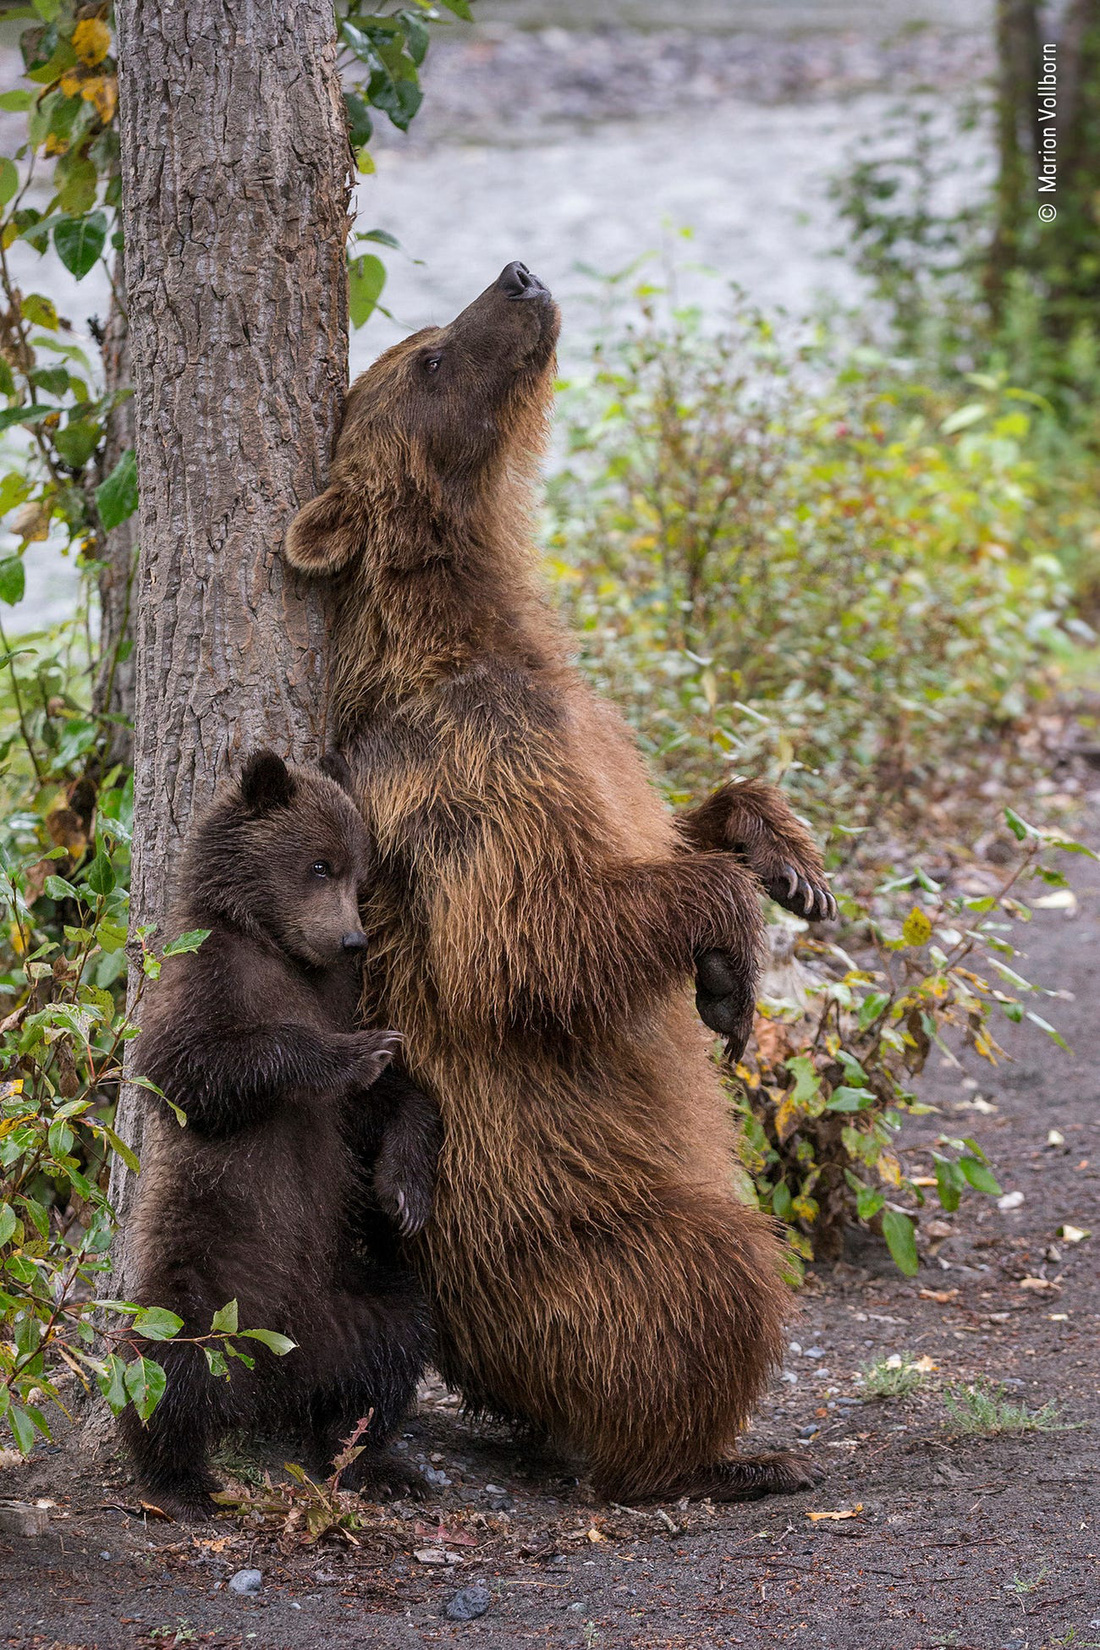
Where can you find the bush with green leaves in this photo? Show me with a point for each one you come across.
(796, 571)
(828, 1080)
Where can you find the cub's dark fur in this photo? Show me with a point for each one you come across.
(260, 1198)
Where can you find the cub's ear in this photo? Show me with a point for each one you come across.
(324, 535)
(335, 766)
(266, 782)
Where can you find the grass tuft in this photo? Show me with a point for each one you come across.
(897, 1376)
(983, 1408)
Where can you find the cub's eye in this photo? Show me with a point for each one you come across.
(431, 363)
(321, 868)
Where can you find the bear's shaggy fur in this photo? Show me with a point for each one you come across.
(262, 1198)
(533, 922)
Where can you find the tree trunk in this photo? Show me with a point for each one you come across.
(235, 171)
(113, 690)
(1016, 111)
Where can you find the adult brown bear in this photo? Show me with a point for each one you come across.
(533, 922)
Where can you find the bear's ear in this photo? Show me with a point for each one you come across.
(335, 766)
(266, 782)
(324, 535)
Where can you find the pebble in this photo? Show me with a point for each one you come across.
(1011, 1200)
(470, 1603)
(495, 1489)
(246, 1582)
(436, 1477)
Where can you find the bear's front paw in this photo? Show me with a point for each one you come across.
(725, 999)
(806, 894)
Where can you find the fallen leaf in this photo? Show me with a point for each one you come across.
(1011, 1200)
(854, 1512)
(941, 1295)
(924, 1180)
(1084, 1163)
(440, 1532)
(1063, 899)
(594, 1534)
(1039, 1284)
(434, 1555)
(1058, 1317)
(1073, 1234)
(925, 1365)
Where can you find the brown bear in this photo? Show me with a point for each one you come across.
(533, 921)
(300, 1156)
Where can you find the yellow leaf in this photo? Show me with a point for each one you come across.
(56, 145)
(889, 1168)
(786, 1119)
(10, 1123)
(918, 929)
(594, 1534)
(103, 93)
(853, 1512)
(70, 82)
(16, 940)
(91, 40)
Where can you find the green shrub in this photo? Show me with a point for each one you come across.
(798, 575)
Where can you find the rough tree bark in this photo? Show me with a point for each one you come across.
(235, 172)
(1017, 29)
(113, 690)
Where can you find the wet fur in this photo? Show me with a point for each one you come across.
(534, 922)
(267, 1195)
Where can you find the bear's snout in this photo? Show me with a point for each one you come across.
(516, 281)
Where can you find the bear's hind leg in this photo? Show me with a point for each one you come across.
(740, 1478)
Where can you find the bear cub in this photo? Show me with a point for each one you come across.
(303, 1160)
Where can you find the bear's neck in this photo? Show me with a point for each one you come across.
(437, 602)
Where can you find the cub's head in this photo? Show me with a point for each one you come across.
(283, 852)
(433, 427)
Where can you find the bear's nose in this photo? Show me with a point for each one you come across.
(355, 941)
(516, 281)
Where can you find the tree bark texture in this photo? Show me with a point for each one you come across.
(1017, 30)
(113, 690)
(235, 174)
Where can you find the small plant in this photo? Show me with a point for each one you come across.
(983, 1408)
(897, 1376)
(307, 1509)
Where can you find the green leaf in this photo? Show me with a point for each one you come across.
(145, 1385)
(366, 278)
(117, 497)
(979, 1176)
(77, 180)
(100, 876)
(962, 417)
(360, 125)
(224, 1320)
(416, 35)
(781, 1200)
(112, 1383)
(1019, 827)
(215, 1361)
(849, 1099)
(17, 102)
(187, 942)
(461, 8)
(117, 1144)
(157, 1324)
(901, 1241)
(78, 441)
(58, 888)
(13, 580)
(22, 1427)
(8, 1222)
(9, 180)
(1051, 1031)
(23, 415)
(80, 242)
(871, 1007)
(949, 1183)
(39, 311)
(869, 1200)
(279, 1344)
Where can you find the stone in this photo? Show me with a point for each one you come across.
(246, 1582)
(470, 1603)
(23, 1518)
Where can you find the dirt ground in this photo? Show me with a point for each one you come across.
(989, 1542)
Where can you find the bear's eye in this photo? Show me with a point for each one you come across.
(431, 363)
(321, 868)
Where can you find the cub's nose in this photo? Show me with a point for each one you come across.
(516, 281)
(355, 941)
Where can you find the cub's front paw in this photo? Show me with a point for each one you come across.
(804, 893)
(373, 1052)
(725, 999)
(402, 1193)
